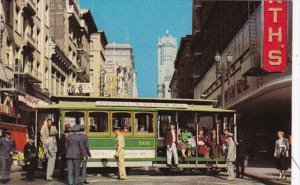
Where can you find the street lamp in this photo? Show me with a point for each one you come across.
(223, 72)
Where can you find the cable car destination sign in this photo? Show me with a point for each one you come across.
(140, 104)
(274, 35)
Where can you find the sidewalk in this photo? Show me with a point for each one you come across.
(16, 168)
(265, 171)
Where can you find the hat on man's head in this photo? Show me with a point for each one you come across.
(75, 128)
(116, 127)
(230, 134)
(53, 132)
(82, 128)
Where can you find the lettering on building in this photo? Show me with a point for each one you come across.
(275, 35)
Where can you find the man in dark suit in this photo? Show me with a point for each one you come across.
(7, 149)
(31, 159)
(62, 151)
(86, 154)
(241, 151)
(75, 151)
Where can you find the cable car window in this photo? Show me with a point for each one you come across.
(144, 122)
(73, 118)
(122, 120)
(98, 122)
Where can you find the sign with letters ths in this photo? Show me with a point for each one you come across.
(274, 35)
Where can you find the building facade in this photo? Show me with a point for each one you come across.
(234, 28)
(97, 63)
(166, 54)
(120, 75)
(44, 50)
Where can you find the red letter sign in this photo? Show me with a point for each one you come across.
(274, 35)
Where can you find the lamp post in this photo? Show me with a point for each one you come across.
(223, 72)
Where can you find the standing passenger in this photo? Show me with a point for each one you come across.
(74, 153)
(170, 142)
(120, 153)
(231, 156)
(86, 154)
(281, 153)
(212, 141)
(46, 130)
(7, 148)
(50, 150)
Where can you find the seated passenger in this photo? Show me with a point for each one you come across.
(202, 143)
(223, 142)
(187, 138)
(180, 144)
(142, 128)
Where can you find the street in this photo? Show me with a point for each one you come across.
(136, 177)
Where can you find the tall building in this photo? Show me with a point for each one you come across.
(44, 50)
(97, 62)
(120, 76)
(261, 99)
(167, 48)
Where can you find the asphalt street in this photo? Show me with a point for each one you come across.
(140, 177)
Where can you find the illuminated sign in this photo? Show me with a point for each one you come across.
(140, 104)
(274, 35)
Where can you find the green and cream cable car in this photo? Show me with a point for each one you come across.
(144, 123)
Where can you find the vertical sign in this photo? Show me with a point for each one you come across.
(274, 35)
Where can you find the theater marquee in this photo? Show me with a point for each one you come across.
(274, 35)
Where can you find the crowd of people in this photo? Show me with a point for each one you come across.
(72, 150)
(235, 152)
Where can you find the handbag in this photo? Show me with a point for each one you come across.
(282, 153)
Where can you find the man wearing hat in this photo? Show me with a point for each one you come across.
(50, 151)
(86, 154)
(75, 151)
(231, 156)
(7, 148)
(31, 158)
(62, 151)
(120, 153)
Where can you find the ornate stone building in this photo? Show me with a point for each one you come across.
(120, 76)
(45, 48)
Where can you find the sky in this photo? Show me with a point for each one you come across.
(140, 23)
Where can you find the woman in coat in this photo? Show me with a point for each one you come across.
(281, 153)
(202, 143)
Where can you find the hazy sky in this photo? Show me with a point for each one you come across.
(140, 23)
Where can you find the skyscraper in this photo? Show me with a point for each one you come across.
(167, 49)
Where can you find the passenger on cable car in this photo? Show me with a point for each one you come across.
(187, 136)
(223, 142)
(180, 144)
(202, 143)
(142, 128)
(212, 143)
(170, 142)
